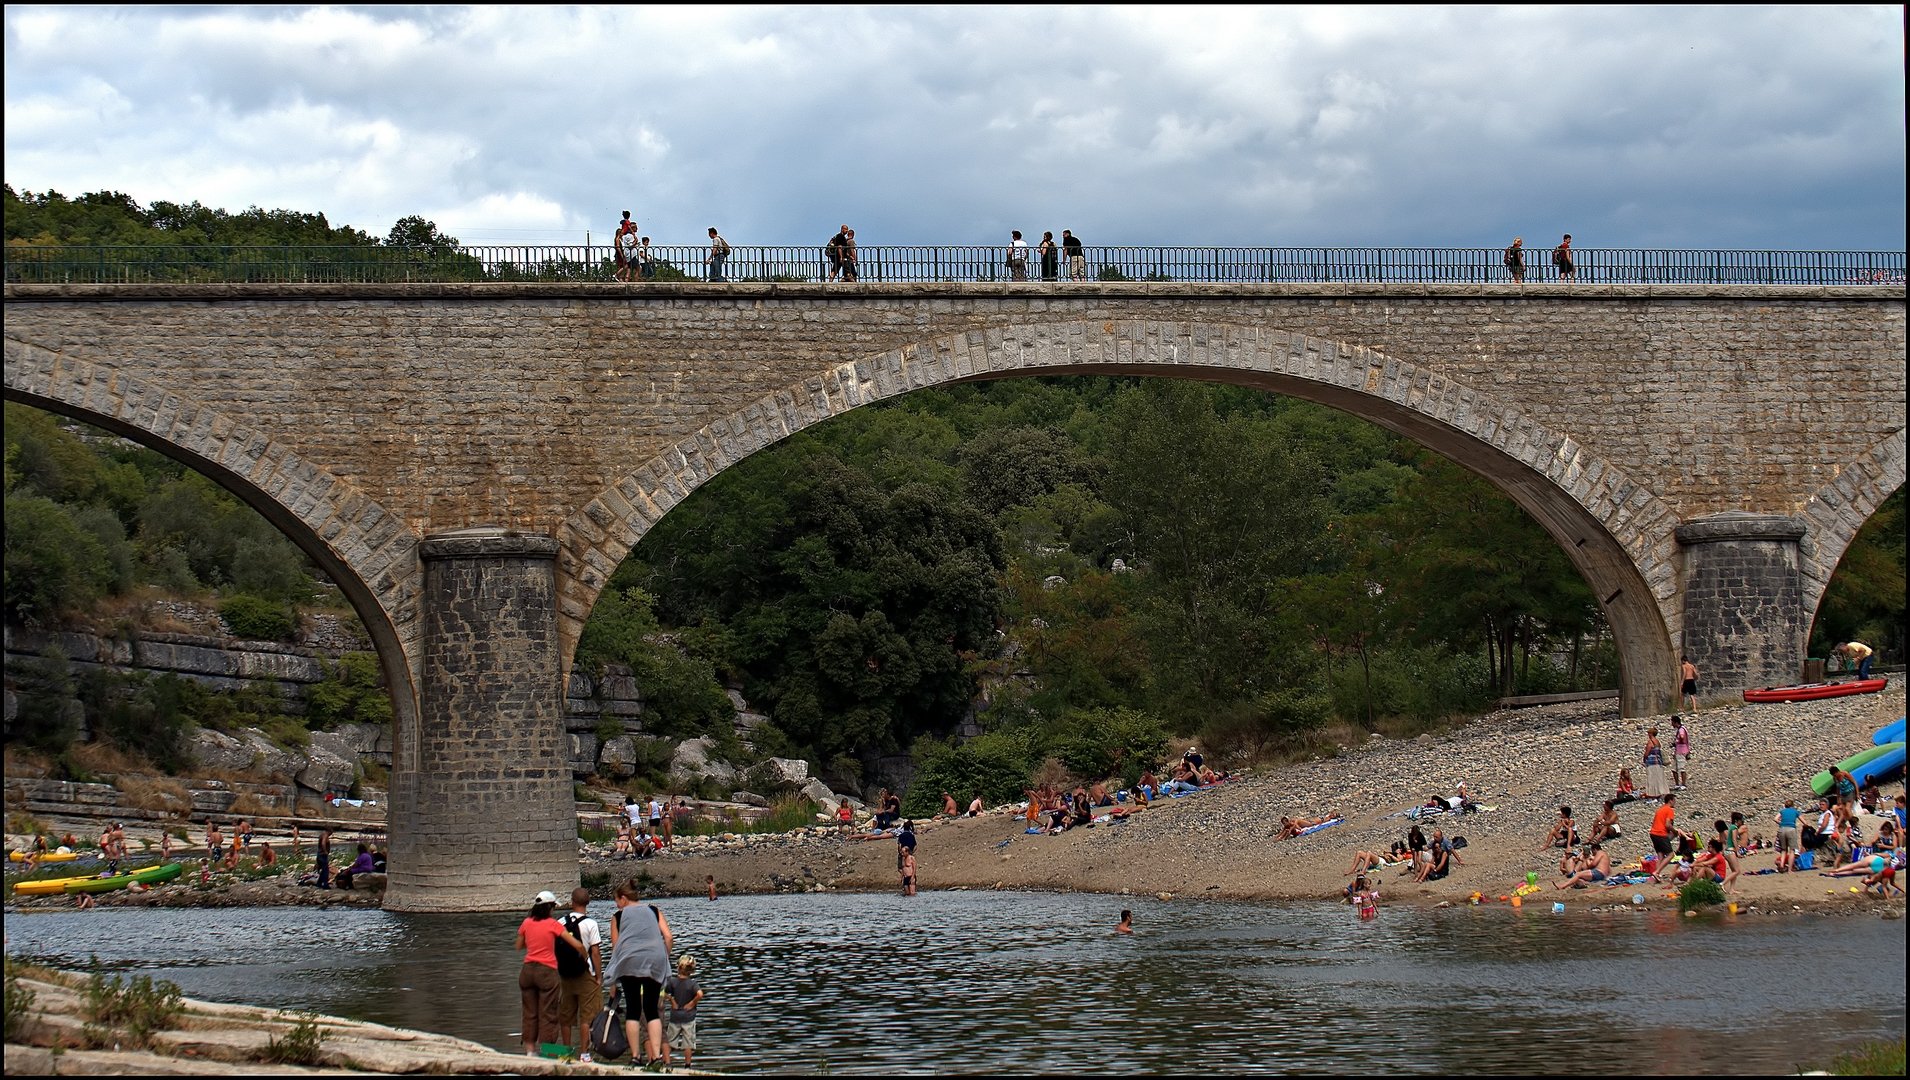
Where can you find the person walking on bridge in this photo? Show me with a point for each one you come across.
(719, 254)
(1515, 260)
(1562, 259)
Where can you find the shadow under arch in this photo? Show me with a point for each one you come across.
(321, 514)
(1608, 524)
(1835, 513)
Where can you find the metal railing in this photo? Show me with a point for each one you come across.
(223, 263)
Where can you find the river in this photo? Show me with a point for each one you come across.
(983, 982)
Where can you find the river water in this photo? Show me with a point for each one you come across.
(984, 982)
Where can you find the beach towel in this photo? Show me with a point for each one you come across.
(1316, 828)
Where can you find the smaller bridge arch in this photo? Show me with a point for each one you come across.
(1836, 511)
(1612, 528)
(361, 546)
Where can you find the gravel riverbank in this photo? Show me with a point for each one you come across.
(1220, 843)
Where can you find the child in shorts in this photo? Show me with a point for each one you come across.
(681, 996)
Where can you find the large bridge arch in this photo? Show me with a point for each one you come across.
(366, 550)
(1612, 527)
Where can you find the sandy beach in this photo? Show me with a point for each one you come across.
(1220, 843)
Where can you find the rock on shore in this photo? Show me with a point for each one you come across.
(213, 1039)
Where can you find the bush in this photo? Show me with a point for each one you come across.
(994, 766)
(136, 1007)
(257, 619)
(300, 1045)
(353, 691)
(1699, 892)
(18, 1001)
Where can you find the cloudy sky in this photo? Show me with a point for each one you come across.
(1627, 126)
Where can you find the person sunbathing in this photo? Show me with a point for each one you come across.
(975, 807)
(1606, 826)
(1595, 867)
(1364, 861)
(1564, 834)
(621, 847)
(1868, 864)
(948, 805)
(1291, 827)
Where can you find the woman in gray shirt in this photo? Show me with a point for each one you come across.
(639, 961)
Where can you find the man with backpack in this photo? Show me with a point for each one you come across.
(1562, 259)
(838, 244)
(580, 992)
(719, 254)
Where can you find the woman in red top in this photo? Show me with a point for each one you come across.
(537, 980)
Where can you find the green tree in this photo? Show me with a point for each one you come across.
(1220, 513)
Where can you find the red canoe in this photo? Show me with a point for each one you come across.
(1813, 691)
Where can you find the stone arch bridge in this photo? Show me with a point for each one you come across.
(470, 462)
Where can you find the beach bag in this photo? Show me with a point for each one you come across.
(607, 1037)
(1806, 861)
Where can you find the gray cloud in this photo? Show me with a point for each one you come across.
(1758, 127)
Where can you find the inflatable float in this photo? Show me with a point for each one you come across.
(1889, 733)
(1815, 691)
(45, 857)
(1874, 763)
(152, 875)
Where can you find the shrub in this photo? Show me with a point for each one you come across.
(300, 1045)
(19, 999)
(257, 619)
(353, 691)
(1699, 892)
(135, 1007)
(994, 766)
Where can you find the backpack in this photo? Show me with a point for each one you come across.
(719, 246)
(1514, 256)
(570, 962)
(1559, 257)
(607, 1036)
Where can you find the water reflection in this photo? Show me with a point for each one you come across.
(990, 982)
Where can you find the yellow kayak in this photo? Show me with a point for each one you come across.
(47, 886)
(51, 856)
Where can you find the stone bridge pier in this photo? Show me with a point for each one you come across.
(482, 815)
(1744, 618)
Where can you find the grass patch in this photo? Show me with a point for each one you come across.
(591, 835)
(154, 793)
(1883, 1058)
